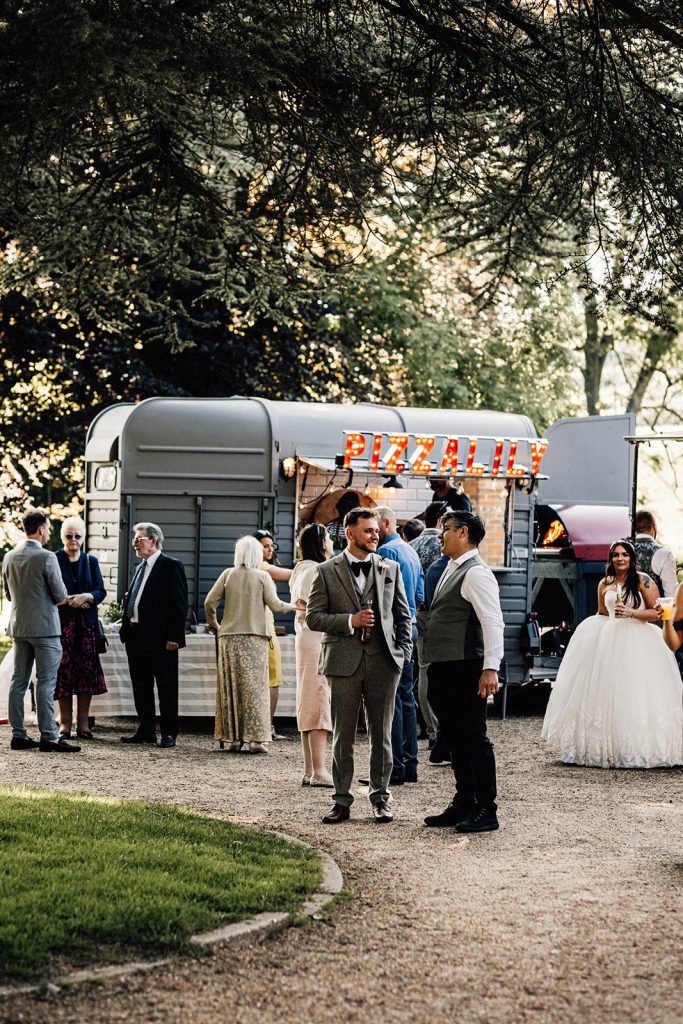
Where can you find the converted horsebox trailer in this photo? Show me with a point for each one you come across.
(210, 470)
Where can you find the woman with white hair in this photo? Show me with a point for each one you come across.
(244, 634)
(80, 672)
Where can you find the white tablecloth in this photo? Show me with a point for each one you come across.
(196, 680)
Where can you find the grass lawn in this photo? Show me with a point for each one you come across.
(100, 879)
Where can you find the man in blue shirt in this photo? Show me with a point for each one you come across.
(404, 729)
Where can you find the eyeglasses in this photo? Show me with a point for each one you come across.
(73, 536)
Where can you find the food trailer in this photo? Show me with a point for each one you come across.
(210, 470)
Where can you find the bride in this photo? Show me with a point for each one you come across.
(616, 702)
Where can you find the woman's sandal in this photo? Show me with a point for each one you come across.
(84, 734)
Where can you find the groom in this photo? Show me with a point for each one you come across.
(358, 602)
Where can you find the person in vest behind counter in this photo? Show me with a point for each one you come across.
(153, 629)
(654, 559)
(463, 646)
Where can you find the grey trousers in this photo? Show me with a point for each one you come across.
(431, 724)
(46, 651)
(375, 681)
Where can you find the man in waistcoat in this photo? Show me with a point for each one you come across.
(463, 646)
(653, 558)
(358, 603)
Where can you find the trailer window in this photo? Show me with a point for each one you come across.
(105, 478)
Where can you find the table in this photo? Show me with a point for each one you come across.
(196, 680)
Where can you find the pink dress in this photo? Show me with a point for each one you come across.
(312, 691)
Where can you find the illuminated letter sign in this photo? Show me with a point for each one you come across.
(514, 468)
(538, 450)
(399, 443)
(449, 462)
(497, 455)
(376, 448)
(418, 460)
(355, 446)
(473, 468)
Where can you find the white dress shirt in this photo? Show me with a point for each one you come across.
(361, 580)
(481, 590)
(150, 562)
(664, 565)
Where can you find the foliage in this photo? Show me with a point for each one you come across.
(116, 878)
(326, 200)
(156, 152)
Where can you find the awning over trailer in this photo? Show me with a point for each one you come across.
(319, 461)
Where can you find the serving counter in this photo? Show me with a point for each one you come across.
(196, 680)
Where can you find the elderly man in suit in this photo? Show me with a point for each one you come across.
(153, 630)
(359, 604)
(463, 646)
(33, 583)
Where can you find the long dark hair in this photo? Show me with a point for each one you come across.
(311, 540)
(632, 584)
(261, 535)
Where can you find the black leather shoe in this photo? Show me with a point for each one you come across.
(397, 780)
(167, 741)
(59, 747)
(382, 813)
(137, 738)
(411, 775)
(451, 816)
(23, 743)
(336, 814)
(439, 756)
(482, 820)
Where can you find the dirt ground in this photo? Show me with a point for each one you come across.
(570, 913)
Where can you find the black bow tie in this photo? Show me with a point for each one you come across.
(361, 567)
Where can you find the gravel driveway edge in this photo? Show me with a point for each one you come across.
(256, 927)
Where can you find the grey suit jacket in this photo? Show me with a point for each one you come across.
(334, 596)
(33, 583)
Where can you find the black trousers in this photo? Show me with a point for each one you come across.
(453, 694)
(146, 665)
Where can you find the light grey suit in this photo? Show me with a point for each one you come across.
(355, 668)
(33, 583)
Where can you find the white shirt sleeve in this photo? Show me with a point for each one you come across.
(664, 564)
(481, 590)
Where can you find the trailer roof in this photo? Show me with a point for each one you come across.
(314, 429)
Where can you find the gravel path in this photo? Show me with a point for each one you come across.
(571, 913)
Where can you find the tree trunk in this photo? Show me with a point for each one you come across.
(596, 348)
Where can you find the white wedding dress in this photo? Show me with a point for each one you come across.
(617, 700)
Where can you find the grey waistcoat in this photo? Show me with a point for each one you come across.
(453, 631)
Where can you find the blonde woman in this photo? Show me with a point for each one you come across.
(247, 594)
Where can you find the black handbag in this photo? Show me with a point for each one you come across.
(102, 642)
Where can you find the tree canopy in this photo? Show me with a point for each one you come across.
(274, 133)
(332, 198)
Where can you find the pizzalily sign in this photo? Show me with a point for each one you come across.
(443, 454)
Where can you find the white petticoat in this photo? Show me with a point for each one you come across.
(617, 700)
